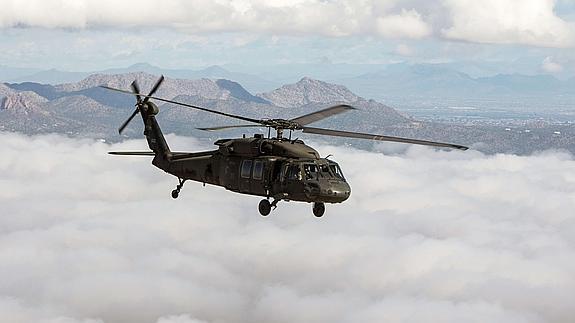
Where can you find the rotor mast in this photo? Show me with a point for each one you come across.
(279, 133)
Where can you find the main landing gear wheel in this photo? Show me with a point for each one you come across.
(265, 207)
(318, 209)
(176, 192)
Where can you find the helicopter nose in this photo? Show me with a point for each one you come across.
(336, 192)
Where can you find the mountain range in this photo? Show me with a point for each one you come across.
(83, 109)
(54, 76)
(437, 81)
(379, 82)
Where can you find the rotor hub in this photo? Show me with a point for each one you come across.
(282, 124)
(149, 107)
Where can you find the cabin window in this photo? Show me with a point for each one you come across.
(283, 173)
(258, 169)
(246, 169)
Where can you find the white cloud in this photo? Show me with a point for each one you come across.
(528, 22)
(178, 319)
(403, 50)
(549, 65)
(407, 24)
(331, 18)
(453, 236)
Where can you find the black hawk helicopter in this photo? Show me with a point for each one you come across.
(275, 168)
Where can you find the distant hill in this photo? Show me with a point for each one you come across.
(439, 81)
(52, 76)
(10, 73)
(307, 91)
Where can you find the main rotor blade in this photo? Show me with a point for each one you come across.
(155, 88)
(229, 127)
(322, 114)
(187, 105)
(123, 126)
(339, 133)
(121, 91)
(136, 89)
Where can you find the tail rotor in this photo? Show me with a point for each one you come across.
(141, 105)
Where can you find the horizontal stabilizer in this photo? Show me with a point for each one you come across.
(132, 153)
(175, 155)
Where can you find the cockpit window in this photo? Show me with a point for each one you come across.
(310, 171)
(293, 172)
(336, 171)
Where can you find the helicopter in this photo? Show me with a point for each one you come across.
(275, 168)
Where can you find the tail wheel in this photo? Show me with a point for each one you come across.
(318, 209)
(265, 207)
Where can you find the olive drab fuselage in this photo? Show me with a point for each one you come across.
(280, 169)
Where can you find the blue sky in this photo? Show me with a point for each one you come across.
(481, 37)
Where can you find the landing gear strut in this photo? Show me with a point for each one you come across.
(318, 209)
(176, 192)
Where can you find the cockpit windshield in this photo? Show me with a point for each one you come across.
(312, 171)
(336, 170)
(325, 171)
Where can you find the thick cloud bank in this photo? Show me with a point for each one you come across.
(427, 236)
(530, 22)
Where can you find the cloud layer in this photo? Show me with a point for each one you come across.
(532, 22)
(529, 22)
(452, 236)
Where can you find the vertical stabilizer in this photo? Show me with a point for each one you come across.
(154, 135)
(152, 131)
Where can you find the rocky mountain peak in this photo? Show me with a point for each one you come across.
(5, 90)
(121, 81)
(308, 90)
(215, 70)
(21, 102)
(170, 87)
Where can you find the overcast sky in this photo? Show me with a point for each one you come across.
(86, 237)
(523, 36)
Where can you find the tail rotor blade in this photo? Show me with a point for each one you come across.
(154, 89)
(123, 126)
(136, 90)
(140, 103)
